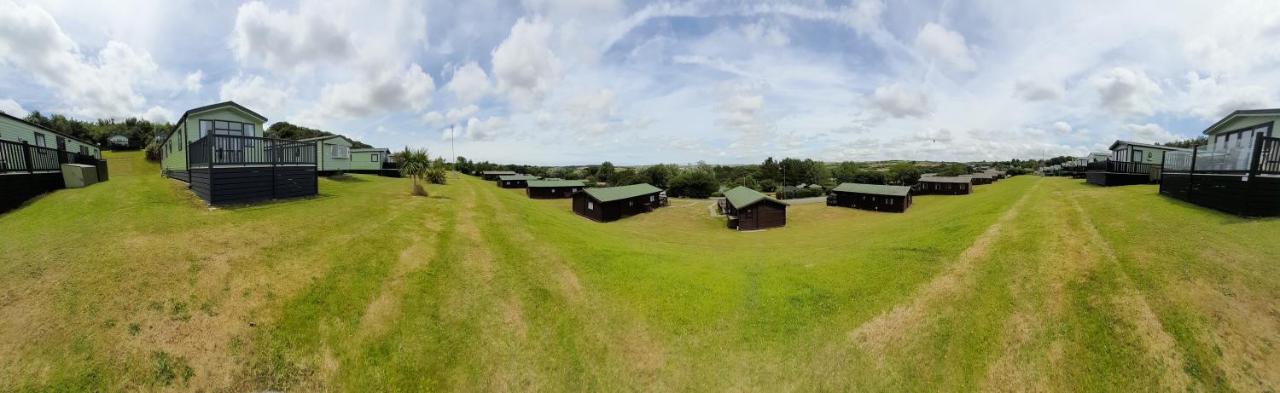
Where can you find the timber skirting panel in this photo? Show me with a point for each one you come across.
(252, 184)
(1257, 197)
(18, 188)
(1108, 179)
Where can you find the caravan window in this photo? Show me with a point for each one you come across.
(40, 140)
(373, 157)
(591, 206)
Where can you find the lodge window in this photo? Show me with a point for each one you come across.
(84, 150)
(591, 206)
(339, 152)
(1243, 137)
(40, 140)
(220, 127)
(553, 190)
(373, 158)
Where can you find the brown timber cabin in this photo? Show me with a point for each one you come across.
(750, 210)
(871, 197)
(981, 178)
(944, 185)
(493, 175)
(612, 203)
(551, 189)
(515, 181)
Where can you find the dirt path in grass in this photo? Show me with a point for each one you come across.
(893, 328)
(632, 353)
(1136, 314)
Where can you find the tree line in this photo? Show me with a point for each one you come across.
(702, 180)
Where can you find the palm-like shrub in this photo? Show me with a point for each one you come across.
(438, 172)
(414, 164)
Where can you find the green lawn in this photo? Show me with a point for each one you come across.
(1028, 284)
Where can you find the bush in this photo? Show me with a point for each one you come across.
(438, 172)
(694, 184)
(793, 193)
(154, 152)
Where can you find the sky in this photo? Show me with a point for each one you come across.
(583, 81)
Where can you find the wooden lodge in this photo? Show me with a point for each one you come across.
(944, 185)
(515, 181)
(871, 197)
(219, 151)
(1130, 163)
(1237, 172)
(749, 210)
(613, 203)
(552, 189)
(493, 175)
(979, 179)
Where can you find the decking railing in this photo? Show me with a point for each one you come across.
(25, 157)
(232, 150)
(1261, 157)
(1122, 167)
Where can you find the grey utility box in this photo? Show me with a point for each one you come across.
(79, 175)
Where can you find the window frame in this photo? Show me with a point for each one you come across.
(40, 139)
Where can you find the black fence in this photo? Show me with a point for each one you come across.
(25, 157)
(1122, 167)
(232, 150)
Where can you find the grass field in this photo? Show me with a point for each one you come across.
(1028, 284)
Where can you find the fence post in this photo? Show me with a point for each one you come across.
(26, 155)
(1255, 158)
(1191, 174)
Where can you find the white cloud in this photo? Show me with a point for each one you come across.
(948, 46)
(194, 81)
(12, 108)
(898, 101)
(1126, 92)
(283, 41)
(386, 91)
(483, 130)
(524, 65)
(1150, 133)
(433, 118)
(255, 93)
(105, 86)
(456, 115)
(1062, 127)
(1211, 97)
(158, 115)
(469, 83)
(1034, 90)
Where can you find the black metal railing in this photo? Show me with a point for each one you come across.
(1267, 151)
(1122, 167)
(25, 157)
(216, 150)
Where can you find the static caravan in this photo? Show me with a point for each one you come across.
(944, 185)
(1130, 163)
(871, 197)
(333, 153)
(613, 203)
(1237, 172)
(493, 175)
(374, 161)
(750, 210)
(515, 181)
(557, 188)
(219, 151)
(31, 159)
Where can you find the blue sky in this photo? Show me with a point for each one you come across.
(583, 81)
